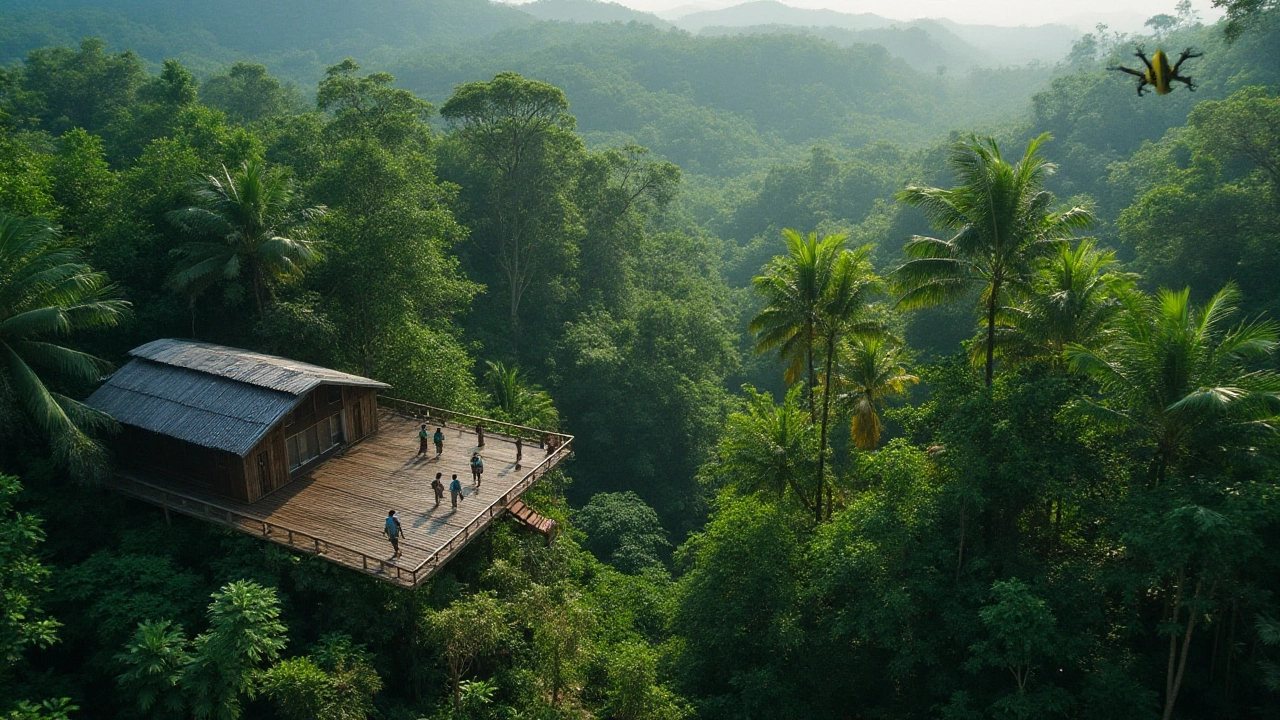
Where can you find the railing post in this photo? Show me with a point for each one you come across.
(290, 537)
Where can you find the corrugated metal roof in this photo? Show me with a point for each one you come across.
(201, 408)
(266, 371)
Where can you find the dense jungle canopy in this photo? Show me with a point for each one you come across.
(911, 376)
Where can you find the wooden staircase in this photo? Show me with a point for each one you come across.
(525, 515)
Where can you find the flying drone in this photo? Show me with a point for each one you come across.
(1158, 73)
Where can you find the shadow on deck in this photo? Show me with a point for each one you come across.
(336, 511)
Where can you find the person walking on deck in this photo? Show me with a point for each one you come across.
(438, 488)
(422, 441)
(519, 451)
(439, 438)
(455, 490)
(393, 531)
(480, 434)
(477, 468)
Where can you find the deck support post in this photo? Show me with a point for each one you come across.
(167, 520)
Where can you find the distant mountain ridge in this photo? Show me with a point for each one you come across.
(955, 45)
(589, 11)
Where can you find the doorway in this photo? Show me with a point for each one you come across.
(264, 474)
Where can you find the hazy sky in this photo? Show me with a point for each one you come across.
(1119, 14)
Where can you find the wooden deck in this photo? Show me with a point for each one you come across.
(337, 510)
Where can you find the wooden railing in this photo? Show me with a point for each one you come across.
(274, 532)
(350, 557)
(464, 421)
(495, 508)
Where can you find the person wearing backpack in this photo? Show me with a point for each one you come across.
(477, 468)
(393, 530)
(438, 488)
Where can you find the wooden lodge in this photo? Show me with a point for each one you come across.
(312, 458)
(240, 423)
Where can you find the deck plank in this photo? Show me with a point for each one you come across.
(344, 500)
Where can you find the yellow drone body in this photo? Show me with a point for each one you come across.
(1159, 74)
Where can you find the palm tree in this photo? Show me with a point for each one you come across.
(792, 287)
(1178, 374)
(519, 402)
(770, 448)
(1002, 229)
(871, 372)
(842, 311)
(1073, 299)
(249, 212)
(46, 293)
(815, 295)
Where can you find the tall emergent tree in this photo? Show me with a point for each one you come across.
(254, 231)
(520, 133)
(46, 293)
(1002, 227)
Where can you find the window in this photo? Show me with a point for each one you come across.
(335, 394)
(307, 445)
(295, 457)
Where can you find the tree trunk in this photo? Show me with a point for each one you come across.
(259, 290)
(813, 379)
(822, 444)
(992, 303)
(515, 316)
(455, 674)
(1173, 680)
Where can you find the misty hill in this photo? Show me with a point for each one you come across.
(299, 33)
(1012, 45)
(771, 12)
(589, 11)
(922, 49)
(964, 45)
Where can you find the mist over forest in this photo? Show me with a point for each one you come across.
(914, 369)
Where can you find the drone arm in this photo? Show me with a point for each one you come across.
(1131, 71)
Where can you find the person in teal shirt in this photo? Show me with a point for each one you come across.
(455, 490)
(393, 531)
(439, 438)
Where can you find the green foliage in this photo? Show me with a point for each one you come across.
(518, 134)
(467, 629)
(245, 633)
(1180, 376)
(336, 682)
(870, 373)
(516, 402)
(1003, 227)
(48, 293)
(248, 94)
(769, 449)
(155, 659)
(22, 577)
(249, 218)
(623, 531)
(1001, 533)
